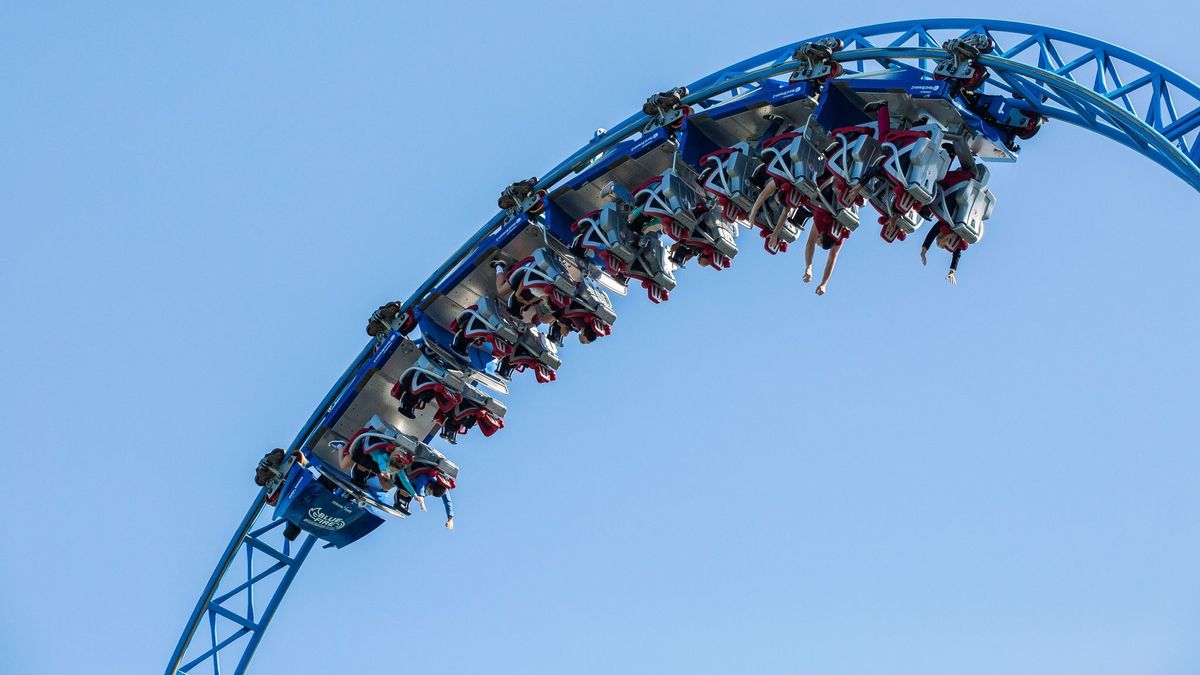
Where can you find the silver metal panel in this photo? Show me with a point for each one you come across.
(375, 399)
(626, 172)
(401, 359)
(749, 124)
(444, 308)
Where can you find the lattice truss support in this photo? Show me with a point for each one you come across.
(229, 620)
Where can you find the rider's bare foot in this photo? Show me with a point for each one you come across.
(821, 289)
(807, 274)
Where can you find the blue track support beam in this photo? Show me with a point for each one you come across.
(1061, 75)
(233, 620)
(257, 532)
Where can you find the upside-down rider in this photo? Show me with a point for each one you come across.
(829, 234)
(531, 305)
(946, 240)
(941, 232)
(428, 479)
(364, 457)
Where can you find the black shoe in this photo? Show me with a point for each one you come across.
(291, 531)
(402, 507)
(407, 412)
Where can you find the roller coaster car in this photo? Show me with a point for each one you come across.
(533, 351)
(670, 197)
(728, 177)
(544, 272)
(485, 325)
(964, 202)
(590, 312)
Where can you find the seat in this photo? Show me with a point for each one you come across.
(590, 312)
(727, 177)
(653, 268)
(852, 161)
(426, 382)
(669, 197)
(475, 409)
(487, 326)
(779, 155)
(533, 351)
(894, 223)
(605, 234)
(914, 161)
(964, 202)
(545, 272)
(711, 236)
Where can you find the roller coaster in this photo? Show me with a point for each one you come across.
(904, 117)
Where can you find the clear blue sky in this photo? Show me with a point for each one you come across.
(202, 204)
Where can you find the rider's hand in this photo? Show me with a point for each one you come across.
(450, 523)
(421, 503)
(951, 279)
(923, 260)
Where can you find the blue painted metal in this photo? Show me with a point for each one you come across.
(1061, 75)
(330, 515)
(257, 532)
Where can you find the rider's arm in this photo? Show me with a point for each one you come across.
(405, 483)
(954, 260)
(766, 192)
(929, 237)
(810, 247)
(502, 286)
(833, 256)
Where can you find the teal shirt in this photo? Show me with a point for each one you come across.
(381, 458)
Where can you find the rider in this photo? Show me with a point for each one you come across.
(948, 241)
(365, 457)
(427, 479)
(438, 485)
(529, 304)
(830, 234)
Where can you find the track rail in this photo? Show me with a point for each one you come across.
(1065, 76)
